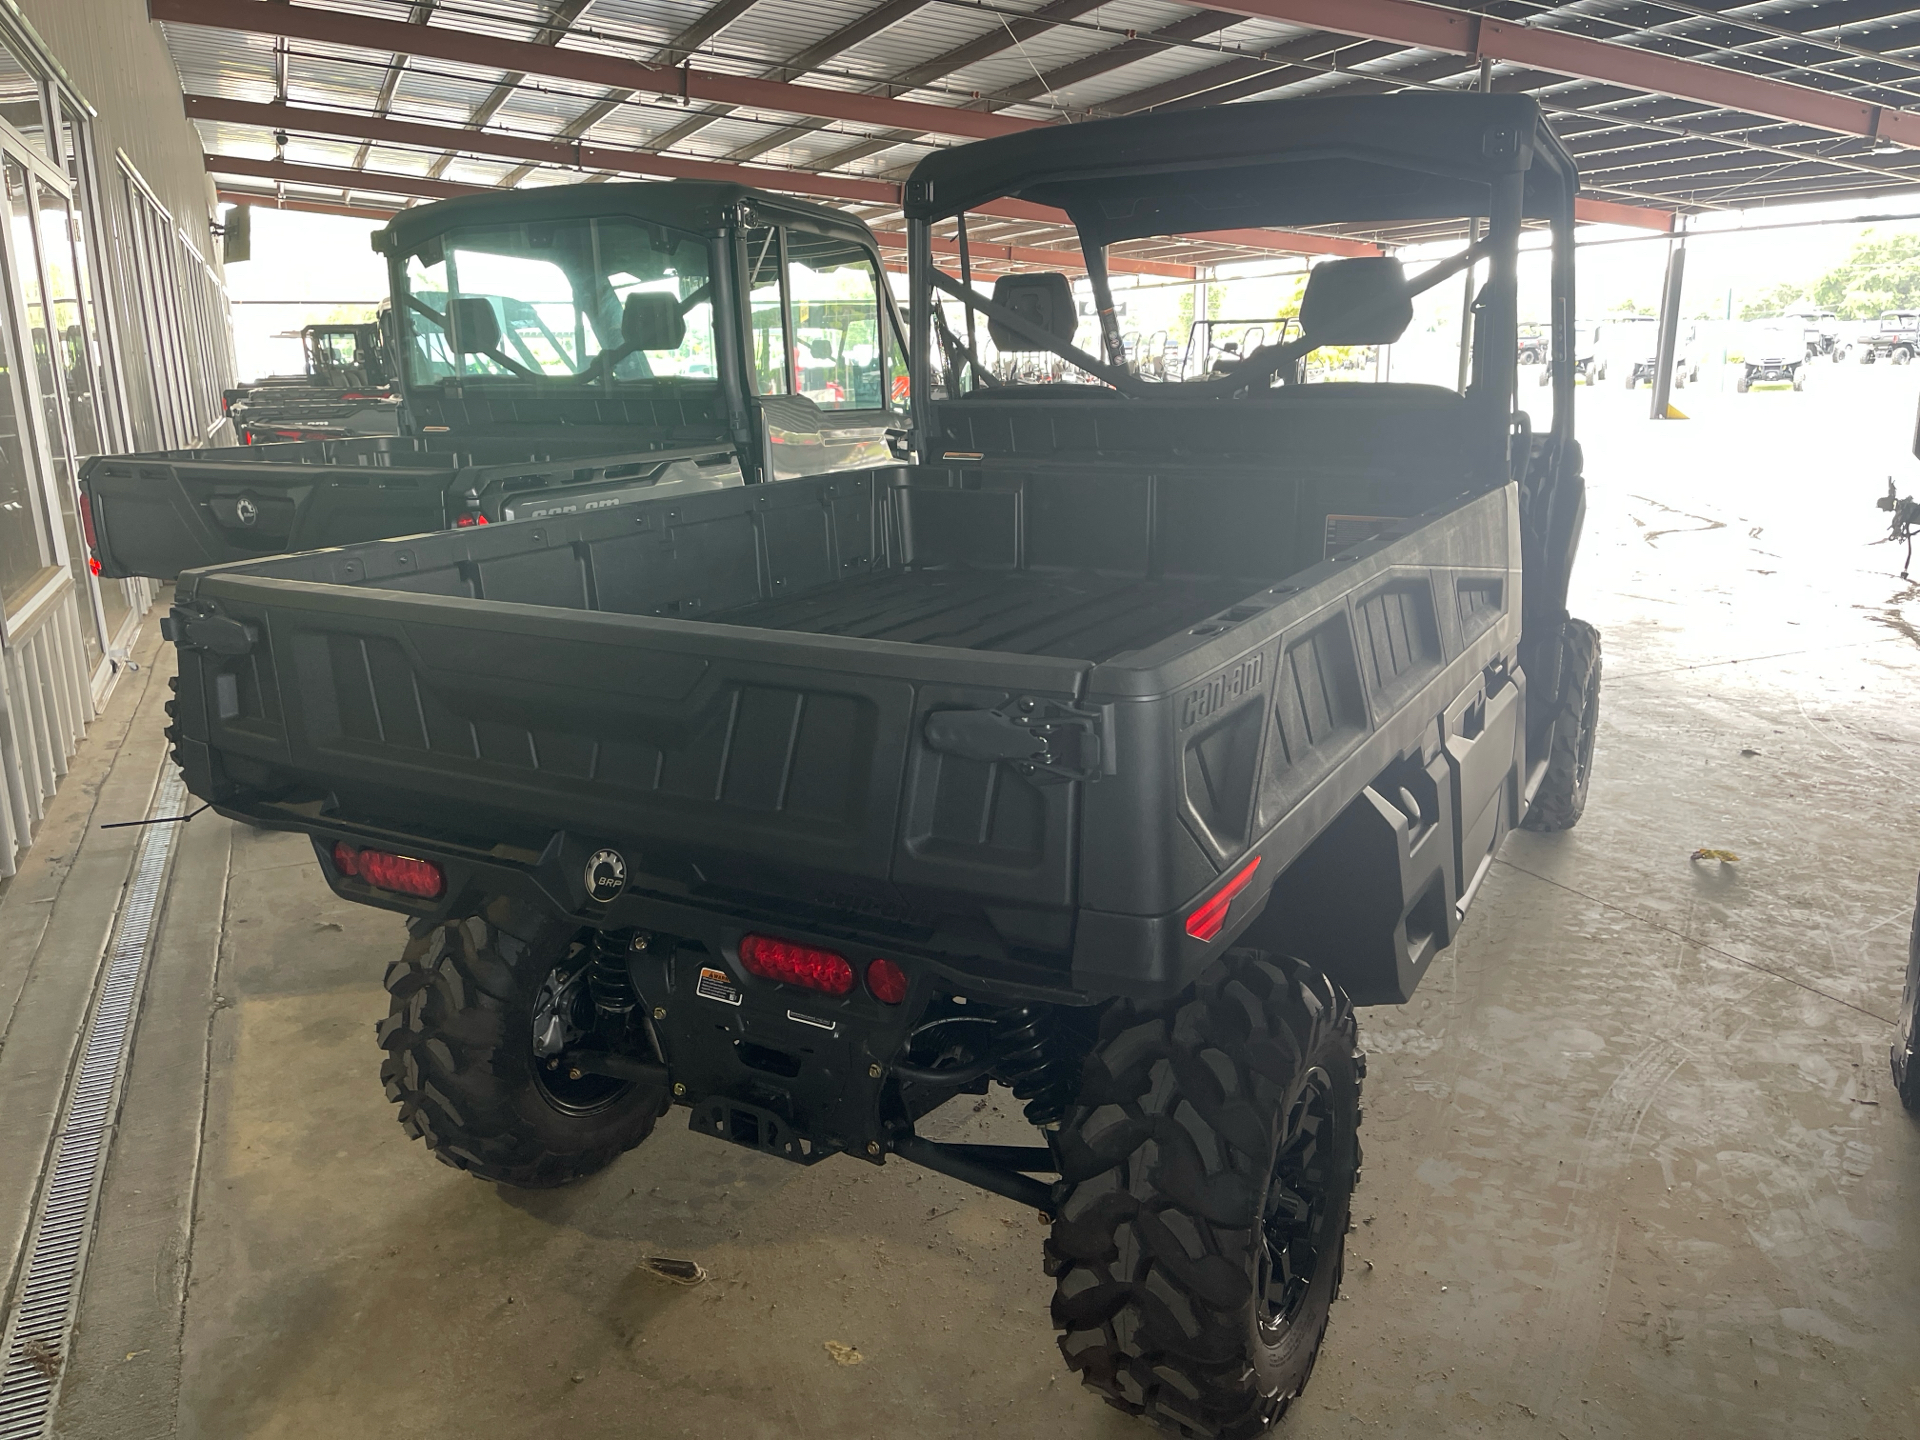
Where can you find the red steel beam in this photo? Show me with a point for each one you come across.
(1432, 27)
(569, 154)
(464, 47)
(380, 183)
(260, 200)
(1612, 212)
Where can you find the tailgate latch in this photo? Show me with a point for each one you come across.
(220, 634)
(1035, 736)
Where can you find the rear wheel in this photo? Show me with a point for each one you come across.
(1562, 796)
(468, 998)
(1902, 356)
(1906, 1039)
(1207, 1169)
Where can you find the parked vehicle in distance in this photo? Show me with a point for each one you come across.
(1111, 748)
(532, 404)
(346, 388)
(1895, 338)
(1588, 366)
(1631, 343)
(1822, 330)
(1534, 345)
(1773, 352)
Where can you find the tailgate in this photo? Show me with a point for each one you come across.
(712, 755)
(159, 514)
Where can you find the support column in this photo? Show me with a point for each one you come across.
(1669, 330)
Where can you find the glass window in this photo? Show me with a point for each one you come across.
(41, 294)
(572, 302)
(838, 350)
(23, 538)
(21, 98)
(770, 349)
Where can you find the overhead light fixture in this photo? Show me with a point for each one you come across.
(1886, 147)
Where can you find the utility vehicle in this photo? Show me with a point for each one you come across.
(579, 363)
(345, 389)
(1895, 338)
(1112, 746)
(1775, 353)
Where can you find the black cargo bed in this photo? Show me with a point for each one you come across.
(1071, 615)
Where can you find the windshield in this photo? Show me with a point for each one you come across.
(607, 302)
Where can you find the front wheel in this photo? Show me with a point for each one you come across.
(1562, 797)
(470, 1000)
(1799, 379)
(1906, 1039)
(1743, 383)
(1207, 1173)
(1902, 356)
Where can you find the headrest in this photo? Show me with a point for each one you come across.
(476, 329)
(1356, 302)
(652, 320)
(1045, 300)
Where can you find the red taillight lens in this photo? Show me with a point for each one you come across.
(461, 522)
(93, 564)
(887, 981)
(86, 520)
(791, 964)
(1206, 922)
(398, 873)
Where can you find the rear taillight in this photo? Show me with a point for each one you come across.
(86, 520)
(793, 964)
(1206, 922)
(887, 981)
(462, 521)
(399, 873)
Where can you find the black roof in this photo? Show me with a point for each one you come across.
(1311, 161)
(700, 206)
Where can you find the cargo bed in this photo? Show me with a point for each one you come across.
(1015, 712)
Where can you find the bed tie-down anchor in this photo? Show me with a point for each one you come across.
(1041, 737)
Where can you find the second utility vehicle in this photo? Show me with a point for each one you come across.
(558, 354)
(1112, 747)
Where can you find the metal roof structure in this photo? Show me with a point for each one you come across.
(1670, 107)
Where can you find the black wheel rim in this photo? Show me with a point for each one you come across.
(1589, 732)
(1299, 1207)
(567, 1092)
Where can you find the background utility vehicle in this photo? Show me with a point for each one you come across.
(554, 361)
(346, 388)
(1631, 343)
(1894, 338)
(1067, 755)
(1774, 353)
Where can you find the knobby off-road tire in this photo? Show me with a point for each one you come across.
(1906, 1069)
(1562, 796)
(1207, 1174)
(460, 1061)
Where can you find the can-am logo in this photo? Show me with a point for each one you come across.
(1215, 694)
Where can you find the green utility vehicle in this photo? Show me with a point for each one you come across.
(561, 350)
(1110, 744)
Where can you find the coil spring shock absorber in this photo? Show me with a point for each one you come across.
(607, 978)
(1030, 1058)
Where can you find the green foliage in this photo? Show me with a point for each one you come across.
(1882, 273)
(1632, 307)
(1773, 301)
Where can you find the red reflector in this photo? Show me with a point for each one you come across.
(93, 564)
(1206, 922)
(792, 964)
(887, 981)
(461, 522)
(398, 873)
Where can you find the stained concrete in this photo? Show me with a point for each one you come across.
(1635, 1167)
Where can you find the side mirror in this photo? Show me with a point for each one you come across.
(476, 329)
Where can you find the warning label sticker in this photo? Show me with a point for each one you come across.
(717, 985)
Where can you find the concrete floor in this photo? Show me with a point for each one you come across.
(1635, 1167)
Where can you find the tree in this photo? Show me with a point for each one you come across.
(1773, 301)
(1631, 307)
(1882, 273)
